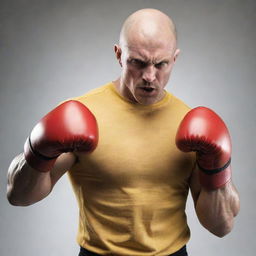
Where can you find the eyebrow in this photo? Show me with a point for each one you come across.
(147, 61)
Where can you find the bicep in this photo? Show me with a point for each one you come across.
(63, 163)
(194, 184)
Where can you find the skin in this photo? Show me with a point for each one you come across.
(27, 186)
(146, 52)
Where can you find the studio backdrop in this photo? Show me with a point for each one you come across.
(51, 50)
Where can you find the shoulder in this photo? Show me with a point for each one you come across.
(178, 107)
(93, 97)
(94, 93)
(179, 103)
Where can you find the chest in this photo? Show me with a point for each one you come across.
(136, 150)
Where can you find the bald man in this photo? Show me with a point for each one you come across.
(117, 144)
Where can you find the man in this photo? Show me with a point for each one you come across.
(126, 148)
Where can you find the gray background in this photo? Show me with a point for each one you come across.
(52, 50)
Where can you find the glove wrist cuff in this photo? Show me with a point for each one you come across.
(214, 171)
(36, 160)
(215, 181)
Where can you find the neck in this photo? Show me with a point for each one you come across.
(123, 90)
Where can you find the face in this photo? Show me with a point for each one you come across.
(145, 71)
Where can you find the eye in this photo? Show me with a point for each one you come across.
(161, 64)
(137, 62)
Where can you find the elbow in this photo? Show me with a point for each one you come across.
(17, 198)
(222, 232)
(223, 229)
(14, 201)
(10, 197)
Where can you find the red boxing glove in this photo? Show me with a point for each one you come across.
(203, 131)
(69, 127)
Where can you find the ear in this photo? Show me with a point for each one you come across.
(176, 54)
(118, 52)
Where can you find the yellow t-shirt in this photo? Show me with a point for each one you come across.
(132, 189)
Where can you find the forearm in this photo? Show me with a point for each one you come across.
(217, 208)
(25, 184)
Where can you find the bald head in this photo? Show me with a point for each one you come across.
(148, 26)
(146, 52)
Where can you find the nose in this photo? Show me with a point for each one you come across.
(149, 74)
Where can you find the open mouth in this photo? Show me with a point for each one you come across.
(147, 89)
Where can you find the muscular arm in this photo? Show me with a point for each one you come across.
(27, 186)
(68, 128)
(216, 208)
